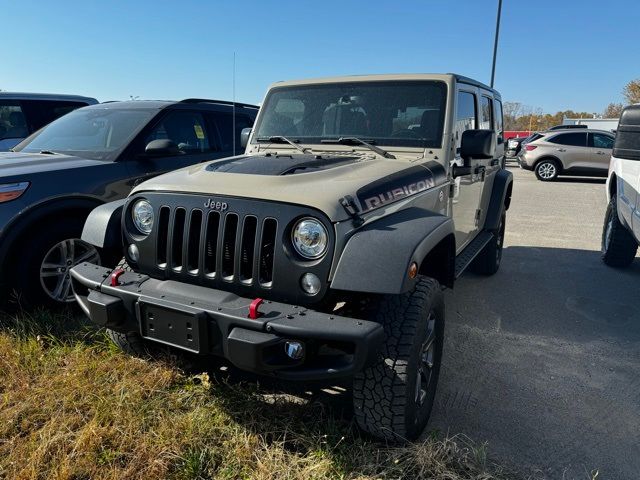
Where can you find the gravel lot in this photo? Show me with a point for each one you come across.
(542, 360)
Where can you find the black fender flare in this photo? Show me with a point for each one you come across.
(37, 213)
(103, 227)
(500, 199)
(377, 257)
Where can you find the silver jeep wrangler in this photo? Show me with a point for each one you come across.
(322, 251)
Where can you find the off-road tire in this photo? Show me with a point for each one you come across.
(488, 260)
(619, 249)
(541, 165)
(384, 394)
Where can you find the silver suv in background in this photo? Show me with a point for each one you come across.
(567, 152)
(21, 114)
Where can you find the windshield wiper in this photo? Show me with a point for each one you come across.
(281, 139)
(358, 141)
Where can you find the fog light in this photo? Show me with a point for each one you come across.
(310, 283)
(133, 252)
(294, 350)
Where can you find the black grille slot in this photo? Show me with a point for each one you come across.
(163, 232)
(177, 239)
(247, 248)
(267, 250)
(193, 243)
(229, 245)
(211, 244)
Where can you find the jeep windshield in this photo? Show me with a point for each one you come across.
(388, 113)
(93, 133)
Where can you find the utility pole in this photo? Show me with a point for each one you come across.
(495, 43)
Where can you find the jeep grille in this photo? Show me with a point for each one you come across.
(227, 246)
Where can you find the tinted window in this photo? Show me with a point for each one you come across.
(186, 129)
(465, 115)
(223, 123)
(499, 121)
(42, 112)
(403, 113)
(602, 141)
(486, 113)
(13, 123)
(95, 133)
(570, 139)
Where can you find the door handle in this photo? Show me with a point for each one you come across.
(562, 149)
(601, 153)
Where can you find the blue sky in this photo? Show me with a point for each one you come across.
(553, 54)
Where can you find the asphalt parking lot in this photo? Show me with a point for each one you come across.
(542, 360)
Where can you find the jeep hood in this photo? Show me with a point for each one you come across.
(314, 181)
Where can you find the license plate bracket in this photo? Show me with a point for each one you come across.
(185, 329)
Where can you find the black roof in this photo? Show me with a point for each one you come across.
(631, 115)
(476, 83)
(161, 104)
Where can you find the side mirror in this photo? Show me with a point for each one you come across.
(161, 147)
(244, 137)
(476, 144)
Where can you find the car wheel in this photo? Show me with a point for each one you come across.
(618, 245)
(547, 170)
(42, 272)
(488, 260)
(393, 397)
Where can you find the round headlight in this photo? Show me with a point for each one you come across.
(310, 238)
(142, 214)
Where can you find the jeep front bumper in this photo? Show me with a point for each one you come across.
(205, 321)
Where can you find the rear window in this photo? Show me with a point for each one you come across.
(627, 143)
(570, 139)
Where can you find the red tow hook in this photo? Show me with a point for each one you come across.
(253, 308)
(115, 276)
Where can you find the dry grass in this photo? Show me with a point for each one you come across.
(71, 407)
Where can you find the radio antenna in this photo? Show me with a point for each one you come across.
(495, 43)
(234, 104)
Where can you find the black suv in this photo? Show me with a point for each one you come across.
(52, 180)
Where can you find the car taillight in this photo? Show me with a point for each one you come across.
(528, 148)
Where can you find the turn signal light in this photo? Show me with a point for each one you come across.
(11, 191)
(528, 148)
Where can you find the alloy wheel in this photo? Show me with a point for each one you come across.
(547, 170)
(59, 260)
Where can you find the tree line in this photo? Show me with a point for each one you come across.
(522, 117)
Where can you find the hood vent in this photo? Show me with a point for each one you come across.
(277, 165)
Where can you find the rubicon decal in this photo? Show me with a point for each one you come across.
(402, 185)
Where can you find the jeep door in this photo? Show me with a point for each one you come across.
(601, 146)
(467, 189)
(188, 130)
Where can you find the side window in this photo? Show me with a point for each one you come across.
(42, 112)
(466, 116)
(499, 122)
(224, 124)
(186, 129)
(570, 139)
(486, 113)
(13, 123)
(602, 141)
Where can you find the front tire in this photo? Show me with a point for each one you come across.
(547, 170)
(618, 245)
(393, 397)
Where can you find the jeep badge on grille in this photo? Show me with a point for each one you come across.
(215, 205)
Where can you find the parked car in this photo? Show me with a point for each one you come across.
(621, 232)
(320, 253)
(567, 152)
(93, 155)
(566, 127)
(513, 146)
(21, 114)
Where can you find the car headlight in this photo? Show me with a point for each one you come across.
(310, 238)
(142, 214)
(11, 191)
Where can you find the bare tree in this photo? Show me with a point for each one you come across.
(631, 91)
(613, 110)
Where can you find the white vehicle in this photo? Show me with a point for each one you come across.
(621, 232)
